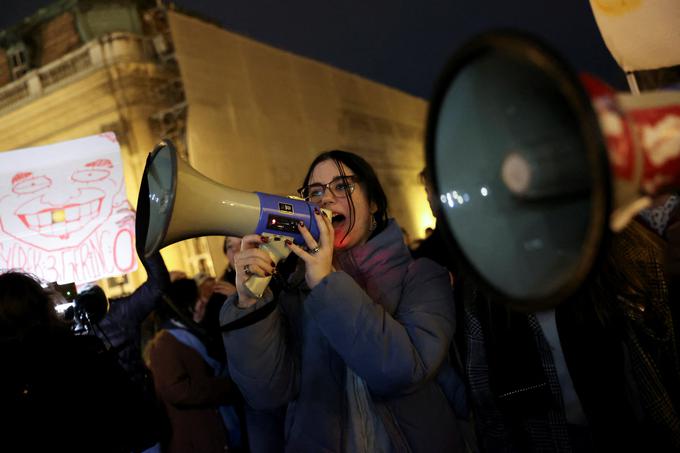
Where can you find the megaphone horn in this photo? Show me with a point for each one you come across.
(176, 202)
(529, 161)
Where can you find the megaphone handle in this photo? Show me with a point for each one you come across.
(277, 250)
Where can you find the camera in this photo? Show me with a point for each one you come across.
(82, 309)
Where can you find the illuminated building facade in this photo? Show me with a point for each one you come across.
(244, 113)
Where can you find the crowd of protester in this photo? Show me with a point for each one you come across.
(360, 344)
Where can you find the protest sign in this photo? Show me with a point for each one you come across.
(63, 212)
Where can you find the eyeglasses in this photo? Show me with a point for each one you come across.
(340, 187)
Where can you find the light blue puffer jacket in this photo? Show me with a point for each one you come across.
(388, 318)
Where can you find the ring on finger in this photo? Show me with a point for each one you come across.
(246, 270)
(314, 250)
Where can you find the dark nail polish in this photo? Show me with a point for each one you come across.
(273, 264)
(323, 213)
(316, 211)
(288, 242)
(267, 274)
(264, 239)
(301, 223)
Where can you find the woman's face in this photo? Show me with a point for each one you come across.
(323, 173)
(233, 246)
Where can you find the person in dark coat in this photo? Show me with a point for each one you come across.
(59, 391)
(191, 385)
(121, 328)
(360, 333)
(602, 375)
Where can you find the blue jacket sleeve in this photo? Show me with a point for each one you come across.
(133, 309)
(392, 353)
(260, 359)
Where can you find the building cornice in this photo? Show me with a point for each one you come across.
(107, 51)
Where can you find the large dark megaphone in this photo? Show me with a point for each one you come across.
(532, 164)
(176, 202)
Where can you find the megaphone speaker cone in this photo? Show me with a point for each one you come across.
(515, 155)
(181, 203)
(177, 202)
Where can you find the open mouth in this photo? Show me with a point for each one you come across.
(337, 220)
(62, 221)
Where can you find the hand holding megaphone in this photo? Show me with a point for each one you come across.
(176, 202)
(254, 261)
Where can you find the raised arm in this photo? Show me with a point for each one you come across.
(259, 355)
(133, 309)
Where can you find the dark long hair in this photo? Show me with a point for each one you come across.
(367, 178)
(183, 294)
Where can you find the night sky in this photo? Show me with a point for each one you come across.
(401, 43)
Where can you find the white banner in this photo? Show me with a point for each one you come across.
(640, 34)
(63, 212)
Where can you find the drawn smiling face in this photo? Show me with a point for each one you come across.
(59, 209)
